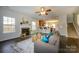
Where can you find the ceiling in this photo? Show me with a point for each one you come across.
(56, 11)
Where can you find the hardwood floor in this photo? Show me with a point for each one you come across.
(69, 45)
(6, 46)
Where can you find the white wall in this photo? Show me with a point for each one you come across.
(4, 11)
(70, 18)
(75, 20)
(63, 25)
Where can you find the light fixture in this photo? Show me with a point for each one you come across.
(54, 26)
(46, 25)
(43, 11)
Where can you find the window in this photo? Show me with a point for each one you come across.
(8, 24)
(33, 26)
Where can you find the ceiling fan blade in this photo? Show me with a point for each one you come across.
(46, 13)
(48, 10)
(37, 12)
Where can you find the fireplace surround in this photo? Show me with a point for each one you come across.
(25, 32)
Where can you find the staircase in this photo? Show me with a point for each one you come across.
(71, 31)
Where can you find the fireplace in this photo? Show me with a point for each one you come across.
(25, 32)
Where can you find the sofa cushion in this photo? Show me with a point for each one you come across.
(41, 47)
(53, 39)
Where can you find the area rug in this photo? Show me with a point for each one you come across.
(26, 46)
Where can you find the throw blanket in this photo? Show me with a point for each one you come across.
(46, 38)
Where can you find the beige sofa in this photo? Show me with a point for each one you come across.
(51, 47)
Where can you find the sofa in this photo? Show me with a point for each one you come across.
(51, 47)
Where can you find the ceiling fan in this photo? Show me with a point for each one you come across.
(43, 11)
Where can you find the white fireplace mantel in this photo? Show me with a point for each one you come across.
(25, 26)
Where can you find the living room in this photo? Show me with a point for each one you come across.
(26, 22)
